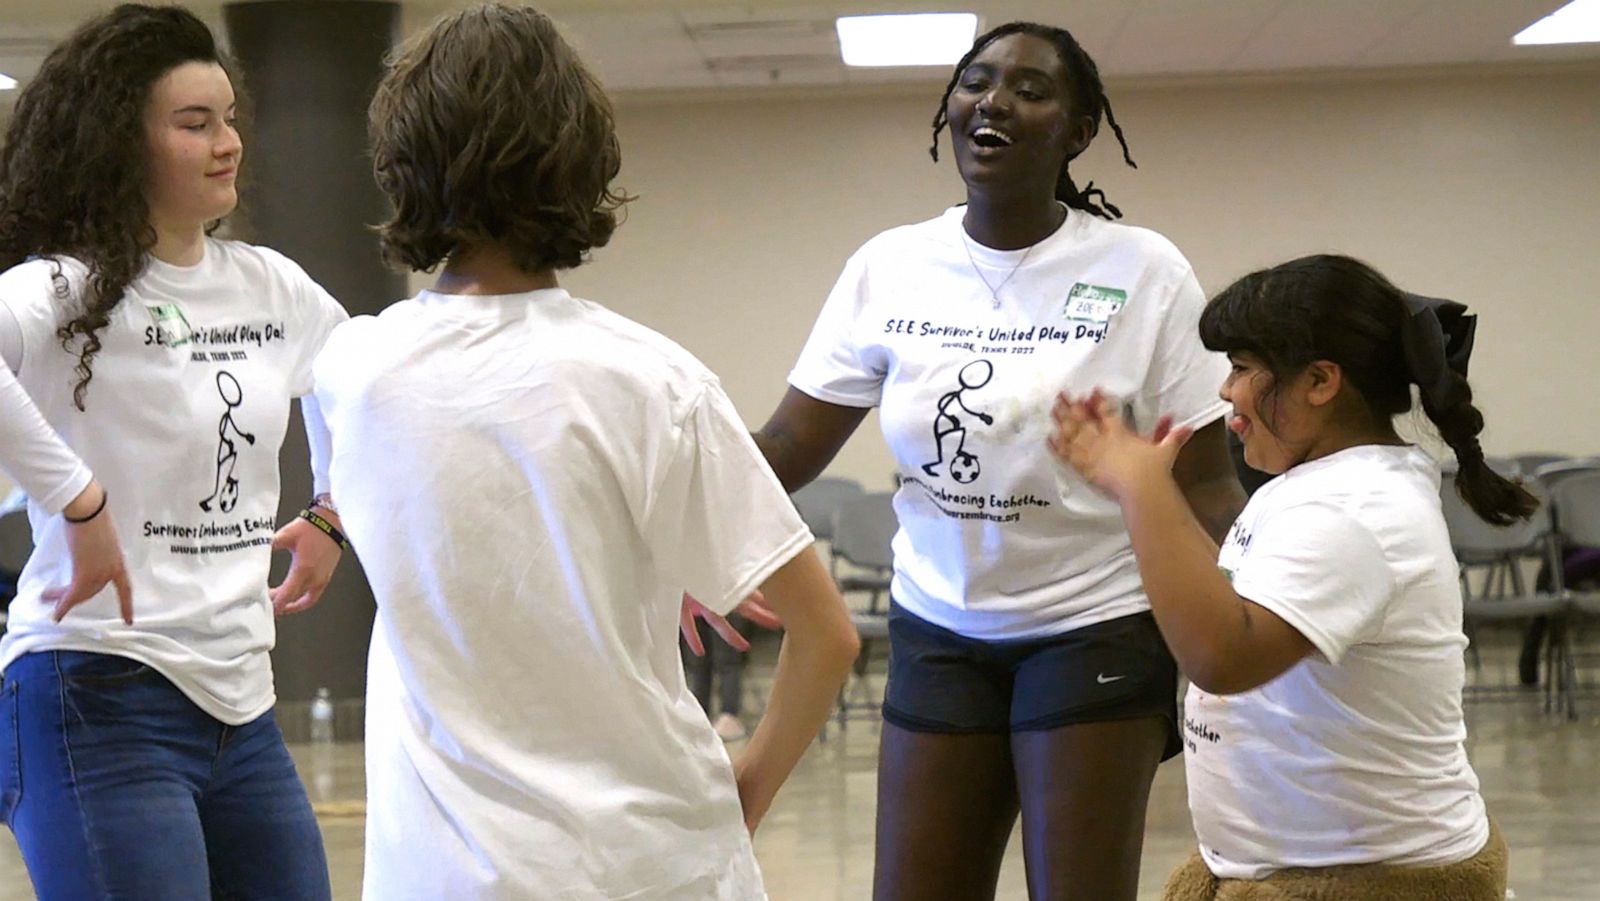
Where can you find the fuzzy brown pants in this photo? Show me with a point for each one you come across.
(1481, 877)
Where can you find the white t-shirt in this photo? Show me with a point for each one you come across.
(997, 540)
(1355, 755)
(186, 415)
(531, 482)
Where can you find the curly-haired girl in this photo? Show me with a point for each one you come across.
(144, 397)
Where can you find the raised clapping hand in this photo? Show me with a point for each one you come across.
(1092, 438)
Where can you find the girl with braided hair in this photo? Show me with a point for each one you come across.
(1026, 673)
(1323, 639)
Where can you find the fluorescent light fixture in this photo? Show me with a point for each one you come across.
(915, 39)
(1576, 23)
(7, 82)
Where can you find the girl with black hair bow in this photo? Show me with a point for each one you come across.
(1323, 640)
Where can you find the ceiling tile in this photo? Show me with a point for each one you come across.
(1465, 31)
(1316, 34)
(644, 45)
(1182, 36)
(638, 51)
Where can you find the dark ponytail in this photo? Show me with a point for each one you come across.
(1491, 495)
(1338, 309)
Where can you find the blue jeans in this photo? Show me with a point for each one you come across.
(117, 786)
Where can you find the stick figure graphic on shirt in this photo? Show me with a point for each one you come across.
(963, 465)
(226, 491)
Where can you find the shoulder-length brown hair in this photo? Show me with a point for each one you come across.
(488, 128)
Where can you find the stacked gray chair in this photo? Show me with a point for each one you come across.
(1530, 463)
(1548, 471)
(1576, 504)
(1476, 540)
(820, 500)
(1576, 501)
(1554, 473)
(1501, 571)
(863, 532)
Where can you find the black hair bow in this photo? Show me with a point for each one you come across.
(1437, 335)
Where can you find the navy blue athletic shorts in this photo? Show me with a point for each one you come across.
(941, 681)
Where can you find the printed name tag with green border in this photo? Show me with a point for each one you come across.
(1093, 303)
(172, 328)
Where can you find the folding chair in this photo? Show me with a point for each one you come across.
(863, 532)
(1477, 542)
(1576, 503)
(1550, 477)
(1554, 473)
(1547, 475)
(817, 504)
(1483, 552)
(1530, 463)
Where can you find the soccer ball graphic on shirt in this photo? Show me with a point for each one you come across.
(950, 424)
(964, 468)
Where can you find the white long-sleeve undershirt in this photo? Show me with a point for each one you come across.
(31, 452)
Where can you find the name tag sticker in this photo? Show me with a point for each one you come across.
(172, 328)
(1093, 303)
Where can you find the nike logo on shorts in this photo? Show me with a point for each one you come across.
(1104, 679)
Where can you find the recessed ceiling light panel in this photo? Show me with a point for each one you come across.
(915, 39)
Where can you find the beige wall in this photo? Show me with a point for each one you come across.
(1481, 187)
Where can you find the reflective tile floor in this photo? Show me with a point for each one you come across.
(1540, 773)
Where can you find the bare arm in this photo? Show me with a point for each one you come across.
(803, 436)
(819, 644)
(1223, 642)
(1204, 471)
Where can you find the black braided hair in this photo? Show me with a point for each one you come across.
(1339, 309)
(1088, 99)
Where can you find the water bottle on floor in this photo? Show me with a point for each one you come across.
(322, 748)
(322, 718)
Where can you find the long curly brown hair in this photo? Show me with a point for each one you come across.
(74, 162)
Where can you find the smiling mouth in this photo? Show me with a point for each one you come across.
(991, 139)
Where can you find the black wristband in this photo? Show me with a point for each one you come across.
(104, 496)
(328, 528)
